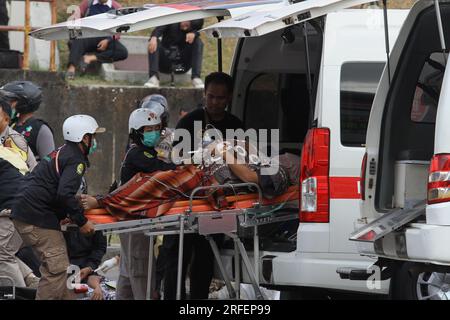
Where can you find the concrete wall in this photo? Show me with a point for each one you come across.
(111, 106)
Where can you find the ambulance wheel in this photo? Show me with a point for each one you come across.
(411, 282)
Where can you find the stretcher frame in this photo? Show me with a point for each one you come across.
(208, 223)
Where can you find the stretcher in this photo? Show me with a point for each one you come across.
(199, 216)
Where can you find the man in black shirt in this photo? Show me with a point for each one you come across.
(86, 252)
(180, 47)
(47, 196)
(218, 94)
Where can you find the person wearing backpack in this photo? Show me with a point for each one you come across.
(83, 52)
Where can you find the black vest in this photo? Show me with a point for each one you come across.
(30, 130)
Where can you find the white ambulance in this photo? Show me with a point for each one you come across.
(309, 69)
(327, 125)
(405, 216)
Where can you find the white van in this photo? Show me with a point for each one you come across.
(405, 219)
(347, 56)
(312, 73)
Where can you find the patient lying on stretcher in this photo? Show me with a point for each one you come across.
(151, 195)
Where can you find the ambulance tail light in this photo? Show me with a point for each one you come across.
(314, 177)
(439, 179)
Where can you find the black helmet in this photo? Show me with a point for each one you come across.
(26, 93)
(6, 107)
(152, 99)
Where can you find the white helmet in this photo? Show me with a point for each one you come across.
(149, 116)
(75, 127)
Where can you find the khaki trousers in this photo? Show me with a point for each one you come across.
(134, 251)
(10, 243)
(51, 247)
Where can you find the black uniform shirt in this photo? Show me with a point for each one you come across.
(187, 122)
(142, 159)
(173, 35)
(10, 180)
(85, 250)
(47, 194)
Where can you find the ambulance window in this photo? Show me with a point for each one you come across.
(279, 101)
(261, 111)
(428, 88)
(359, 81)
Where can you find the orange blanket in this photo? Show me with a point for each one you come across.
(244, 201)
(151, 195)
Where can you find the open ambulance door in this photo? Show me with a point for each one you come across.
(266, 20)
(151, 15)
(247, 17)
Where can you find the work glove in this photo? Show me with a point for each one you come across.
(108, 264)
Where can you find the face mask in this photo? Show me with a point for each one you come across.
(93, 147)
(151, 138)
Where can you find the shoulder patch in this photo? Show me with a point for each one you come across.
(80, 169)
(148, 155)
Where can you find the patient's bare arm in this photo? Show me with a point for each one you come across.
(242, 171)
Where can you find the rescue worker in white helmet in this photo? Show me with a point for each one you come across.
(145, 125)
(47, 196)
(25, 98)
(149, 102)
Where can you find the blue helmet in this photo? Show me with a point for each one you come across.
(157, 99)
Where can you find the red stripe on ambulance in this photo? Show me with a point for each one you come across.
(345, 188)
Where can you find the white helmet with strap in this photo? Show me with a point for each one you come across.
(75, 127)
(148, 116)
